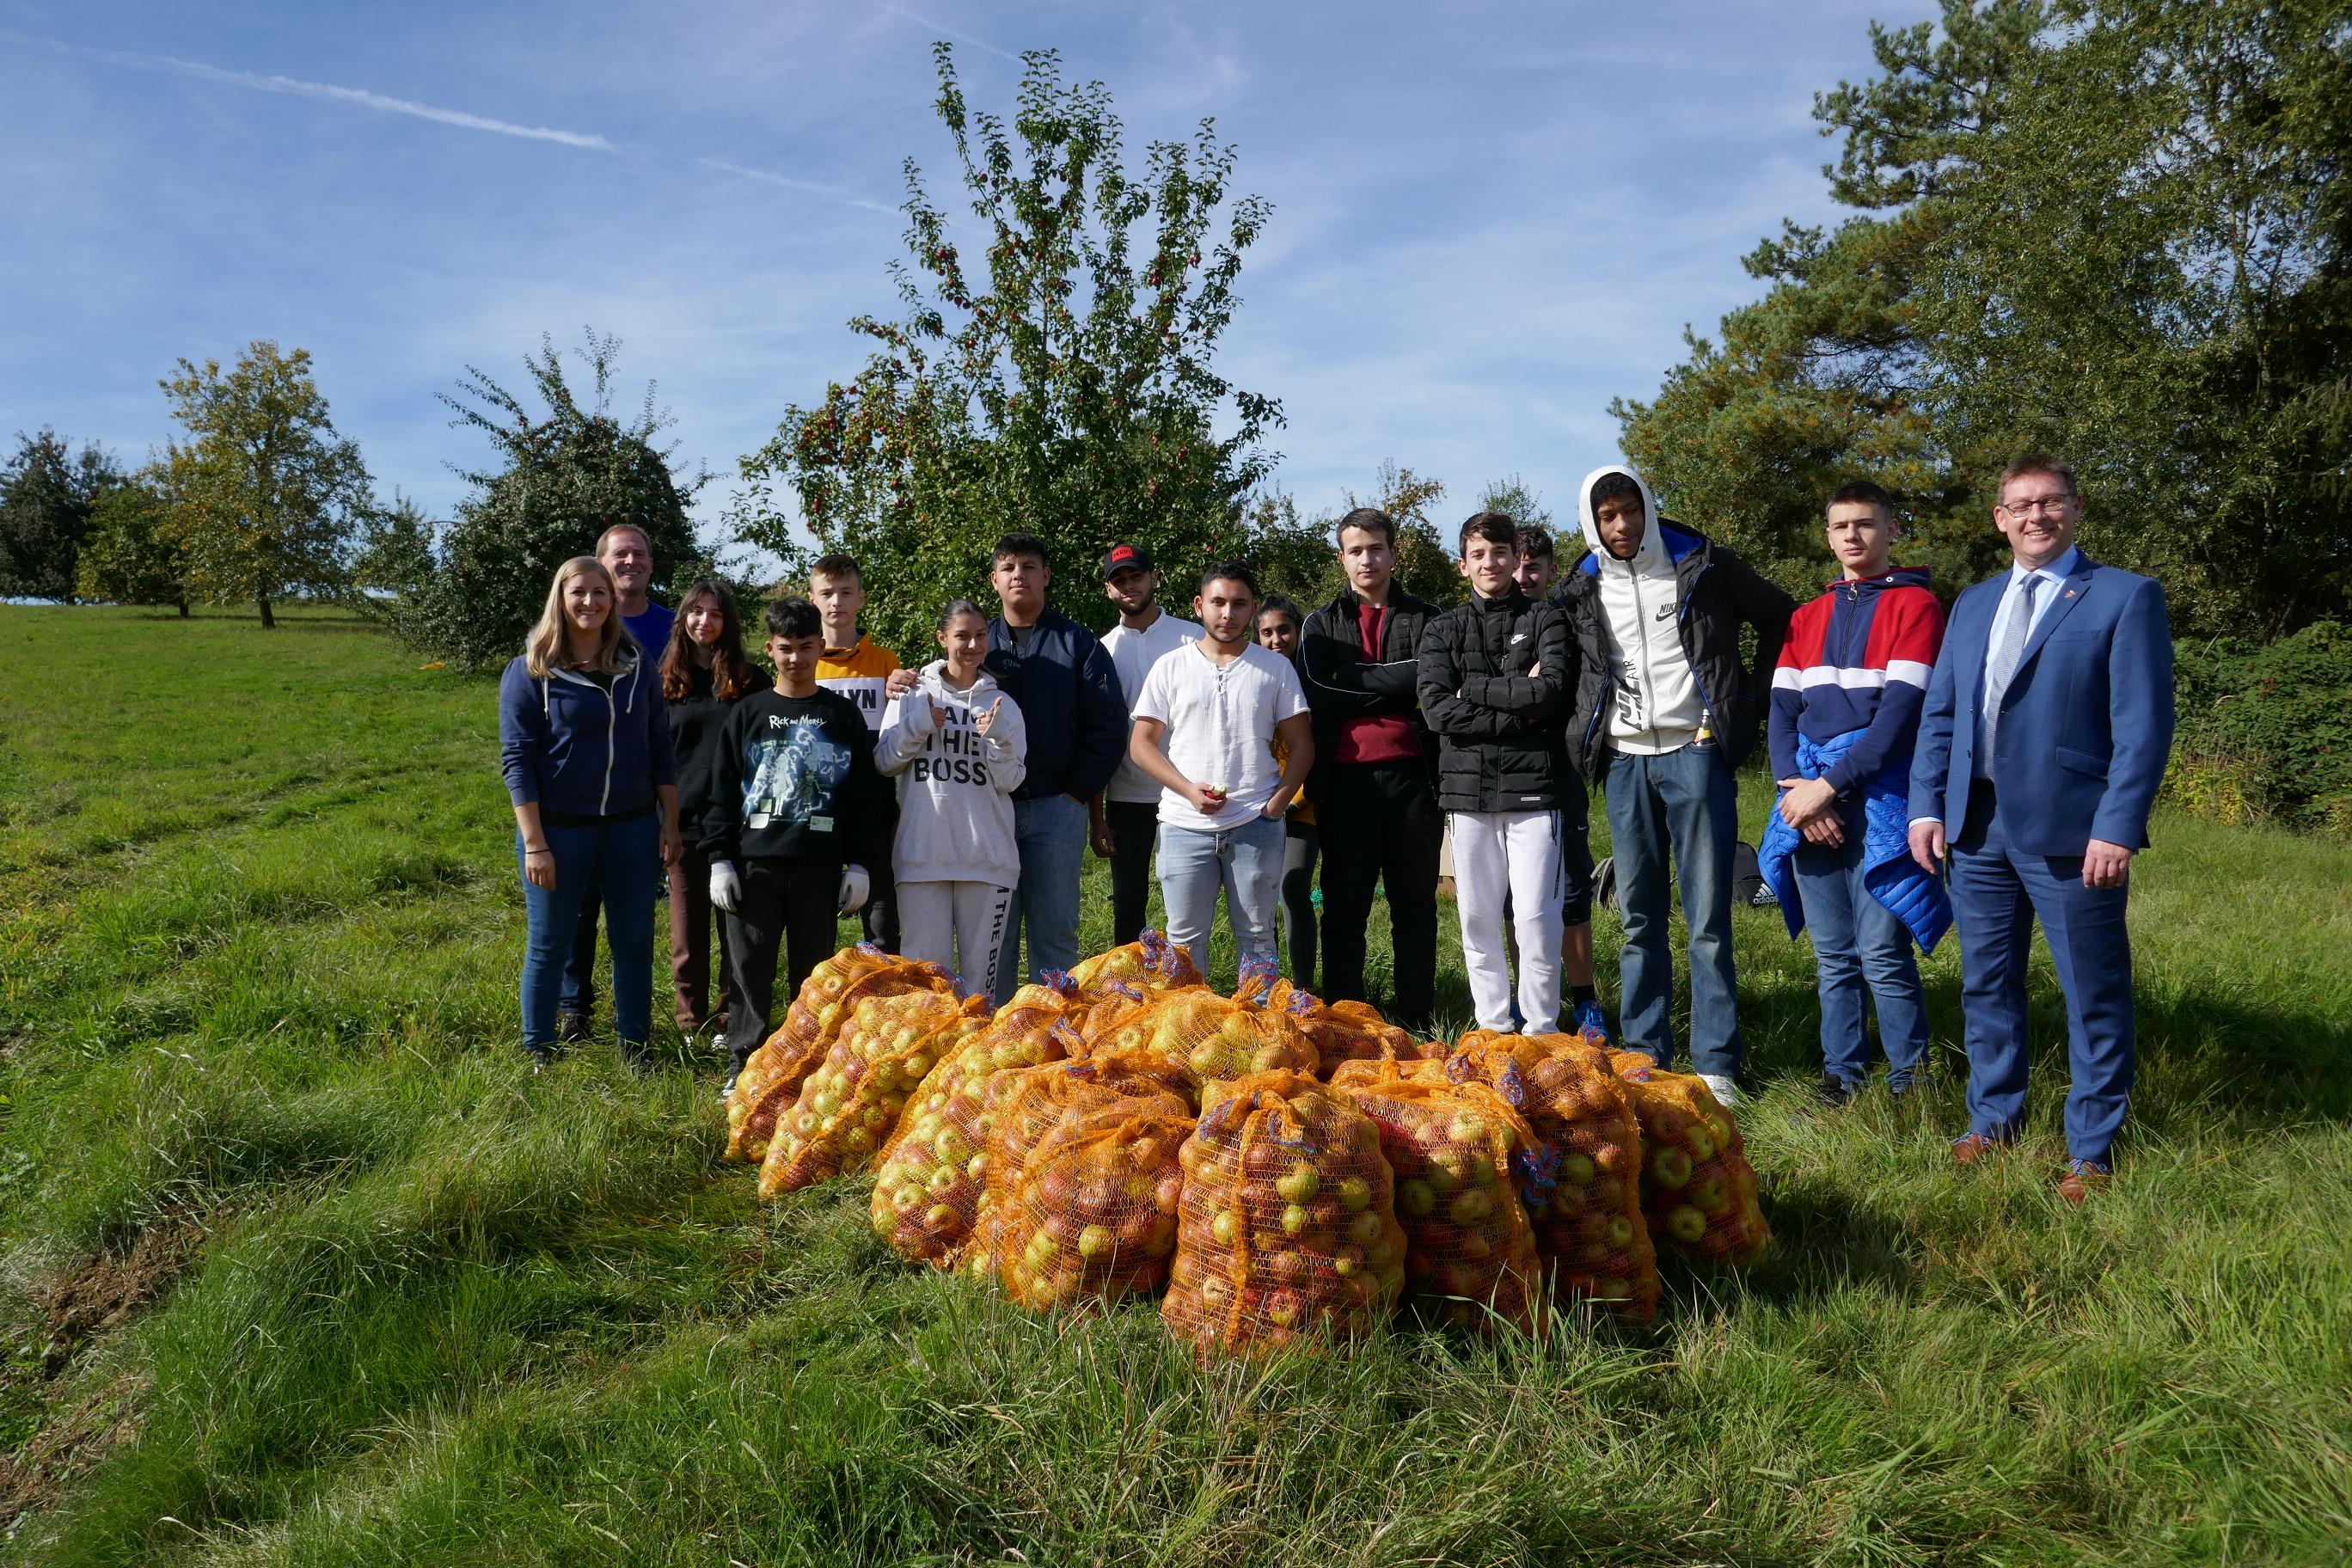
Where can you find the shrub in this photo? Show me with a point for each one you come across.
(2266, 731)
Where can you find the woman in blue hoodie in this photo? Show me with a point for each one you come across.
(584, 738)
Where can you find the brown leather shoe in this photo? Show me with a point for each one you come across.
(2083, 1178)
(1975, 1148)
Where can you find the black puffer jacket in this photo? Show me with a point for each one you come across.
(1497, 725)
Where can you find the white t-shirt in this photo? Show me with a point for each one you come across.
(1220, 721)
(1135, 653)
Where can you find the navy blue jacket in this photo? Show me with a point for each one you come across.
(2086, 725)
(1068, 690)
(573, 746)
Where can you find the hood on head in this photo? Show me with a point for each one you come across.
(1651, 551)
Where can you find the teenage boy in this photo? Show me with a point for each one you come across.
(1375, 800)
(797, 817)
(1067, 688)
(1127, 819)
(1494, 675)
(1205, 725)
(867, 674)
(1665, 709)
(2047, 725)
(1538, 574)
(1845, 713)
(628, 554)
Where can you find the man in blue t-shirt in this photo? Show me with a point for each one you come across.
(628, 555)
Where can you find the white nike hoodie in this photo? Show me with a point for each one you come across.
(1656, 706)
(955, 784)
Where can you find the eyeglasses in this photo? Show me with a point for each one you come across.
(2053, 505)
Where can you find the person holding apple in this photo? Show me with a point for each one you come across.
(1205, 726)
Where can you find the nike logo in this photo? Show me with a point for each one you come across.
(1665, 613)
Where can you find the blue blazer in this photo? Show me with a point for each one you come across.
(2085, 726)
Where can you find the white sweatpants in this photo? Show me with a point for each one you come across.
(1513, 854)
(938, 921)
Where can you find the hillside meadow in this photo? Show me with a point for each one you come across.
(299, 1264)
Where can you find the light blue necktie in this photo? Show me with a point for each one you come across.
(2004, 666)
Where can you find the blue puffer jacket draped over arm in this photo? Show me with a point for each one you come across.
(1893, 879)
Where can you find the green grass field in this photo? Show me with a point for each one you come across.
(299, 1264)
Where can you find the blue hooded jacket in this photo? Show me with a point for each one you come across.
(1893, 879)
(579, 749)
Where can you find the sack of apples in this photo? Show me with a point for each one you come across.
(1209, 1038)
(1287, 1231)
(928, 1188)
(1581, 1186)
(773, 1075)
(1470, 1252)
(1112, 1003)
(849, 1107)
(1089, 1213)
(1698, 1188)
(1150, 963)
(1340, 1032)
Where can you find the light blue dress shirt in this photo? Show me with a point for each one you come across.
(2057, 572)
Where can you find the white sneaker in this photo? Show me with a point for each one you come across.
(1725, 1092)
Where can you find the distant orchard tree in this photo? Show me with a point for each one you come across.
(396, 555)
(1524, 505)
(264, 493)
(565, 476)
(130, 556)
(45, 497)
(1425, 552)
(1054, 375)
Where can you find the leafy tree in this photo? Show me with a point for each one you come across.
(265, 495)
(1425, 557)
(130, 555)
(45, 497)
(1517, 501)
(2111, 227)
(396, 557)
(1059, 382)
(566, 476)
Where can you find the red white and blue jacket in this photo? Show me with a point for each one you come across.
(1858, 657)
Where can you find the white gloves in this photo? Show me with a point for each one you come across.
(854, 885)
(726, 887)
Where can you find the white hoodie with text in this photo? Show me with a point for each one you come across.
(955, 784)
(1655, 706)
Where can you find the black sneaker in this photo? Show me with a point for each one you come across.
(572, 1028)
(1836, 1092)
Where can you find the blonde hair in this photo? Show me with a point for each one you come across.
(544, 649)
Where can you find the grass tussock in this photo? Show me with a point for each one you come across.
(299, 1264)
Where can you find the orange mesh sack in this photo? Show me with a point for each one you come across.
(1697, 1186)
(1342, 1031)
(1018, 1107)
(1365, 1074)
(1089, 1215)
(1115, 1003)
(1469, 1250)
(1581, 1186)
(848, 1107)
(929, 1191)
(1150, 963)
(772, 1073)
(1287, 1231)
(1208, 1037)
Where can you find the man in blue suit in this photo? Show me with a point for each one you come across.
(2048, 722)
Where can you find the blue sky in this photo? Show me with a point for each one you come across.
(1489, 218)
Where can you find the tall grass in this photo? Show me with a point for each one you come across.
(258, 937)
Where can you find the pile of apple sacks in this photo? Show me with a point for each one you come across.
(1288, 1172)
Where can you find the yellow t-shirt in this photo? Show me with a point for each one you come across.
(858, 673)
(1299, 812)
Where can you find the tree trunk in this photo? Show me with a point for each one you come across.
(183, 606)
(267, 620)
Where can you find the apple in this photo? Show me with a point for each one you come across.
(1470, 1207)
(1299, 1183)
(1416, 1197)
(1095, 1241)
(1707, 1194)
(1227, 1227)
(1619, 1233)
(1293, 1219)
(1669, 1166)
(1687, 1224)
(1355, 1192)
(1365, 1229)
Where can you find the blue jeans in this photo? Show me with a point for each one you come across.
(1857, 940)
(1245, 862)
(1051, 833)
(623, 861)
(1682, 801)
